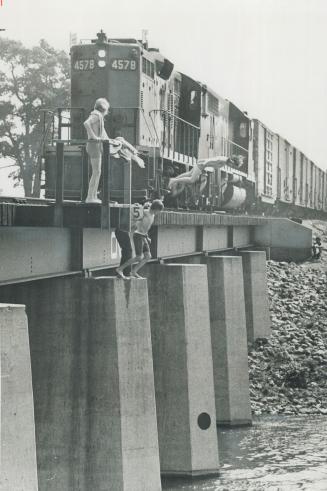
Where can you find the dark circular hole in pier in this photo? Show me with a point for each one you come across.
(204, 421)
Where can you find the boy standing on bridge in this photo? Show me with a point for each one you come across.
(141, 240)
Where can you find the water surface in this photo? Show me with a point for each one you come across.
(278, 453)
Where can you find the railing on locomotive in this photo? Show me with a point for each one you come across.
(154, 137)
(60, 168)
(178, 136)
(230, 148)
(60, 185)
(57, 119)
(62, 119)
(56, 126)
(183, 136)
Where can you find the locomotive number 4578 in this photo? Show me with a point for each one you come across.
(84, 65)
(123, 64)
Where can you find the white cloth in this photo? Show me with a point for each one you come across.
(128, 152)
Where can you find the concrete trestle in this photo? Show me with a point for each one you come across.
(256, 295)
(93, 385)
(93, 381)
(229, 343)
(180, 328)
(18, 452)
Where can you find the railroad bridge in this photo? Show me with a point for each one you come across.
(85, 241)
(108, 384)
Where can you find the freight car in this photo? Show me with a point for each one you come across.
(287, 182)
(170, 118)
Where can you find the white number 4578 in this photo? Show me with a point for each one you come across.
(123, 64)
(84, 65)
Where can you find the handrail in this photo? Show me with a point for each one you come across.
(157, 139)
(60, 184)
(81, 140)
(234, 144)
(179, 136)
(142, 112)
(175, 117)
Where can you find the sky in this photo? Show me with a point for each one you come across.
(267, 56)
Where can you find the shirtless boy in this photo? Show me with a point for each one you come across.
(141, 240)
(193, 175)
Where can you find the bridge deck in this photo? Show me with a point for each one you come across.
(39, 240)
(34, 212)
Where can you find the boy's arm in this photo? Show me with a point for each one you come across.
(127, 144)
(134, 153)
(90, 133)
(151, 220)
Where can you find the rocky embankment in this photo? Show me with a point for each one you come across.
(288, 371)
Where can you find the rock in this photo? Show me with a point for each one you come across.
(288, 371)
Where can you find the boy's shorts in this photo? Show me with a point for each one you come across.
(141, 244)
(94, 149)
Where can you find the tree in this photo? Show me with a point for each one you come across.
(30, 80)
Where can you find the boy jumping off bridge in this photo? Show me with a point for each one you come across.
(141, 240)
(194, 174)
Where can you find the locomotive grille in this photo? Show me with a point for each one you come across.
(213, 104)
(148, 67)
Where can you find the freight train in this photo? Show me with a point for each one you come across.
(174, 120)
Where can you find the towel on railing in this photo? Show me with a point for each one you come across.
(119, 147)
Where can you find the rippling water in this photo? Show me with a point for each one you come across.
(277, 453)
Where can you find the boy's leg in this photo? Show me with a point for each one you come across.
(124, 241)
(174, 179)
(125, 265)
(188, 177)
(144, 260)
(146, 257)
(138, 244)
(95, 178)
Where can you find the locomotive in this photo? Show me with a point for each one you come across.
(170, 118)
(173, 121)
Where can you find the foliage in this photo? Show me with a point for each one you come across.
(30, 80)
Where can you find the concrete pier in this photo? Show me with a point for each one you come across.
(182, 357)
(256, 295)
(93, 384)
(229, 340)
(18, 452)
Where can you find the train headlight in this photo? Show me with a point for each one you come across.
(101, 63)
(134, 52)
(101, 53)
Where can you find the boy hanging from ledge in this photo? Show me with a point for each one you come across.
(141, 240)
